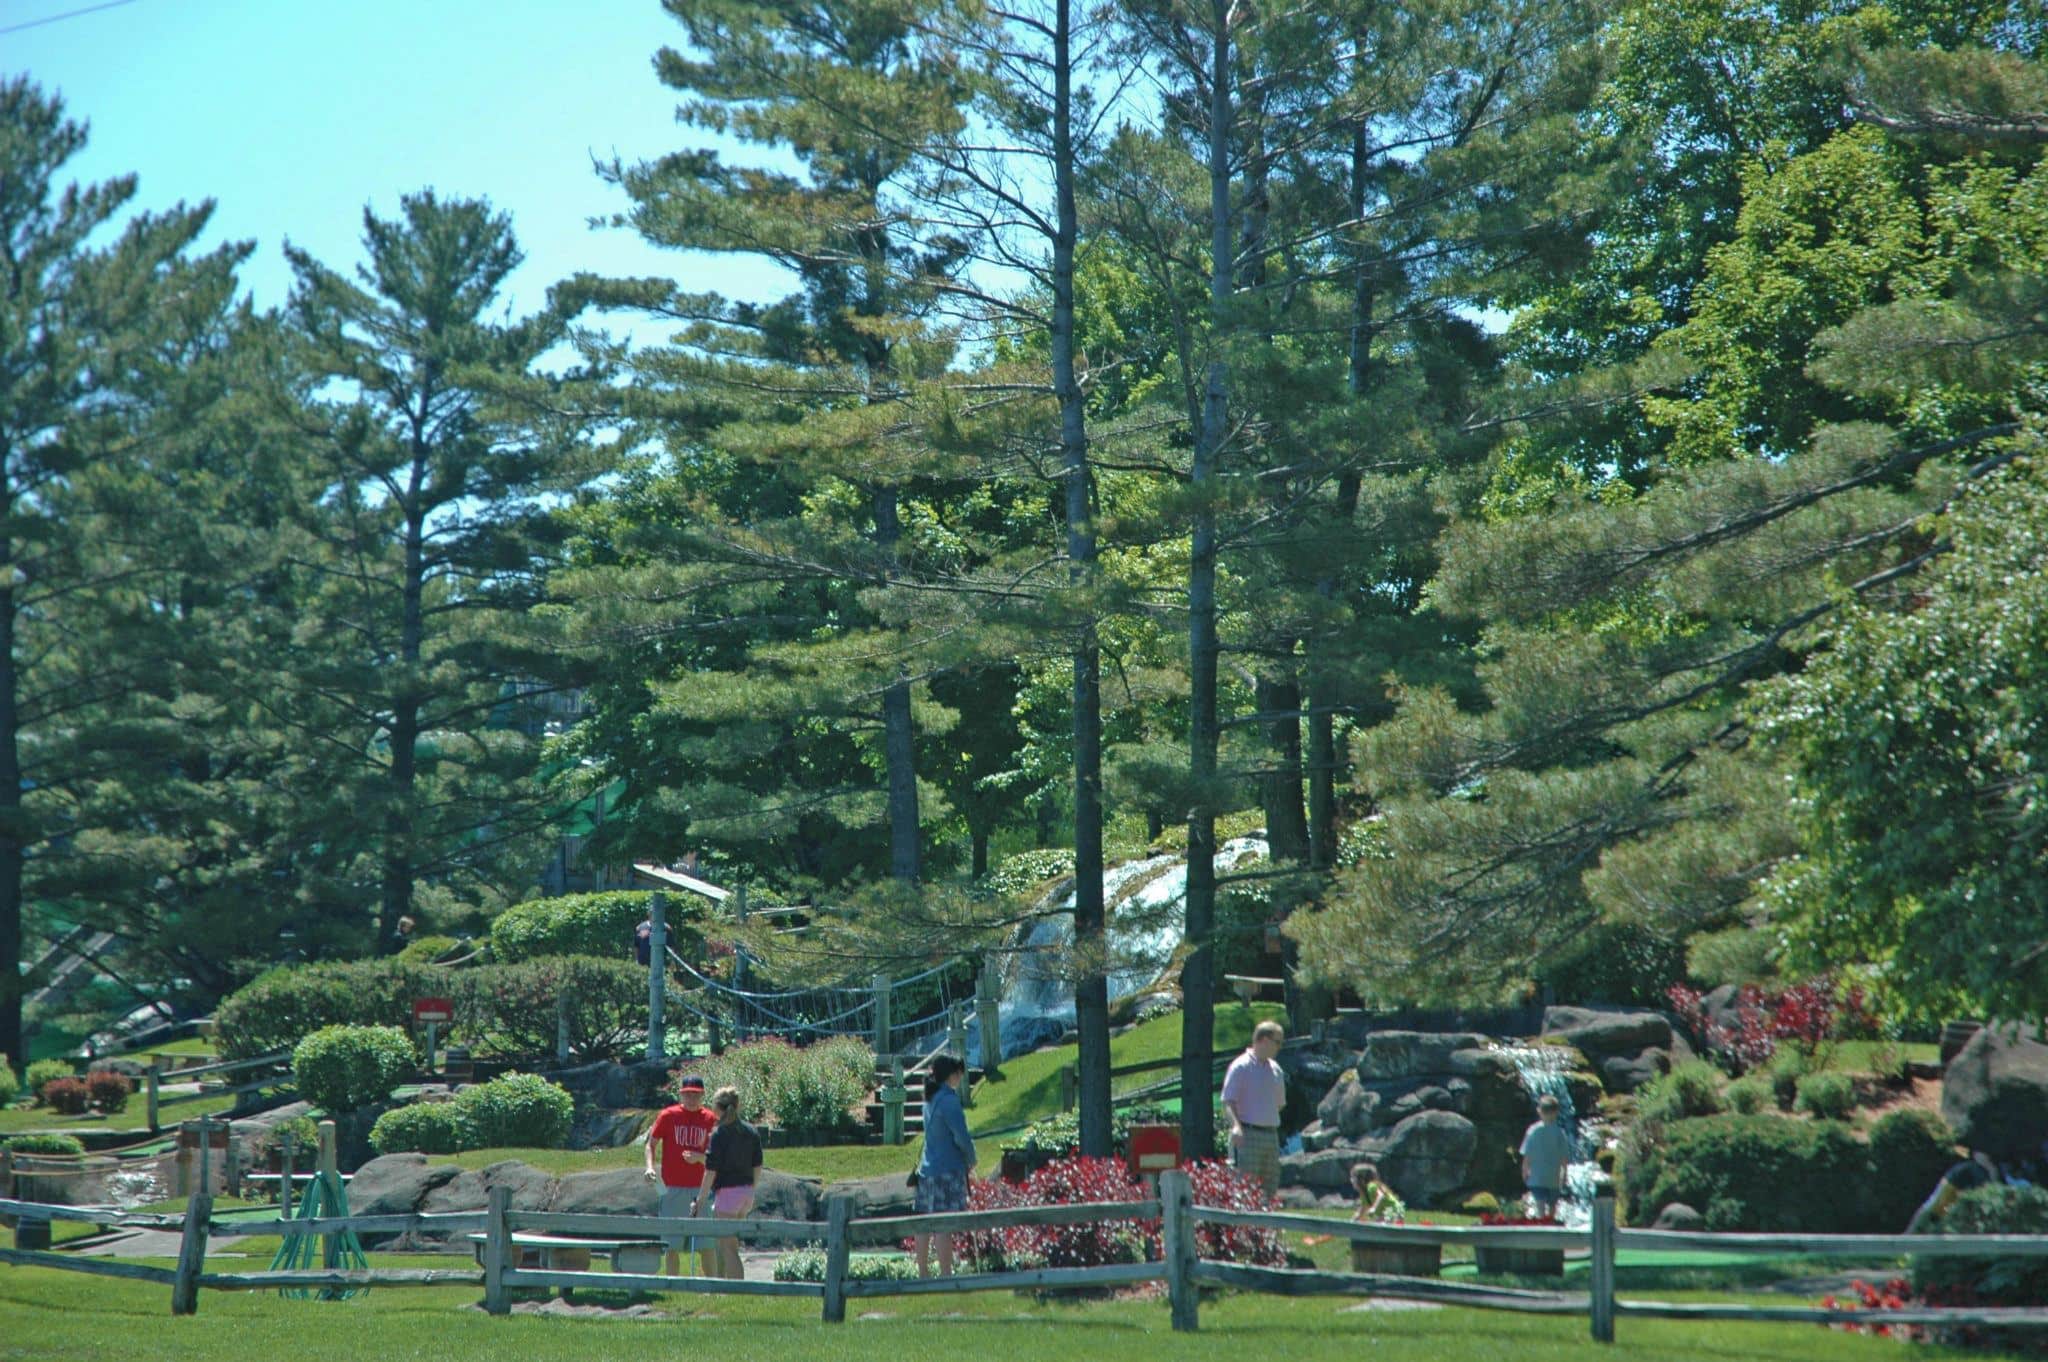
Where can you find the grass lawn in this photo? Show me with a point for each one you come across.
(830, 1162)
(134, 1120)
(52, 1316)
(1853, 1056)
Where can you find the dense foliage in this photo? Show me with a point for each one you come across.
(341, 1068)
(817, 1088)
(422, 1128)
(516, 1110)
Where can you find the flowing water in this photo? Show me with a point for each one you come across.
(1546, 1069)
(1145, 906)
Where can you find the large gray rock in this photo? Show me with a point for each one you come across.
(1313, 1071)
(1428, 1156)
(1405, 1054)
(1326, 1171)
(1428, 1097)
(1316, 1137)
(616, 1191)
(889, 1194)
(1599, 1034)
(396, 1184)
(1348, 1107)
(1679, 1216)
(779, 1196)
(1626, 1073)
(1995, 1093)
(532, 1190)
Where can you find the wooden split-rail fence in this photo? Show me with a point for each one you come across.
(1180, 1265)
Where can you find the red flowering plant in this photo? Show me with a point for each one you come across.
(1220, 1186)
(1899, 1294)
(1517, 1217)
(1807, 1015)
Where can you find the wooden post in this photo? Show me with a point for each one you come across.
(892, 1104)
(1070, 1083)
(149, 1082)
(1177, 1225)
(1602, 1274)
(327, 1160)
(191, 1255)
(657, 978)
(988, 1013)
(497, 1247)
(205, 1182)
(883, 1030)
(231, 1173)
(330, 1178)
(284, 1178)
(838, 1252)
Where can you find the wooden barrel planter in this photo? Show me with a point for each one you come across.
(1520, 1262)
(1398, 1260)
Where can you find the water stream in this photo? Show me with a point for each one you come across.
(1546, 1069)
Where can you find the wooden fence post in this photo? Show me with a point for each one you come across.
(497, 1247)
(883, 1030)
(892, 1104)
(204, 1182)
(284, 1176)
(191, 1254)
(1177, 1225)
(231, 1170)
(657, 978)
(1602, 1273)
(149, 1082)
(838, 1251)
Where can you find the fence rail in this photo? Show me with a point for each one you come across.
(1179, 1266)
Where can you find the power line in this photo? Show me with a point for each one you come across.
(68, 14)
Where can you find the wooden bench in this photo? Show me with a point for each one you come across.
(570, 1253)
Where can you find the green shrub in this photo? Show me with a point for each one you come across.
(42, 1071)
(815, 1088)
(1788, 1065)
(2009, 1280)
(1753, 1173)
(425, 950)
(305, 1133)
(283, 1006)
(1480, 1203)
(10, 1086)
(517, 1111)
(511, 1008)
(1827, 1095)
(341, 1068)
(807, 1264)
(1027, 870)
(422, 1128)
(590, 924)
(1691, 1089)
(43, 1142)
(67, 1095)
(1909, 1151)
(749, 1068)
(1750, 1094)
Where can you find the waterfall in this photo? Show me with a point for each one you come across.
(1546, 1069)
(1143, 900)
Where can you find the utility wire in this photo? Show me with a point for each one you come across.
(68, 14)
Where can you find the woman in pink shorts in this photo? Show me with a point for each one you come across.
(729, 1166)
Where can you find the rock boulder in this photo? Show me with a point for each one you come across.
(1995, 1093)
(1405, 1054)
(1428, 1156)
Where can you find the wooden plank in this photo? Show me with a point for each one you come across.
(838, 1253)
(96, 1267)
(524, 1239)
(38, 1210)
(654, 1227)
(1491, 1236)
(1809, 1314)
(191, 1254)
(497, 1252)
(963, 1222)
(1829, 1245)
(1110, 1274)
(1297, 1282)
(383, 1276)
(281, 1059)
(629, 1281)
(451, 1223)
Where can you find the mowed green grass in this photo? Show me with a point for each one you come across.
(50, 1316)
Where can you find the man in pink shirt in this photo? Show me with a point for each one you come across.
(1253, 1089)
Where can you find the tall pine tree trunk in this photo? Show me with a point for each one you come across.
(405, 735)
(1286, 823)
(1198, 971)
(899, 736)
(12, 859)
(1091, 989)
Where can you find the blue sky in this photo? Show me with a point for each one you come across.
(293, 115)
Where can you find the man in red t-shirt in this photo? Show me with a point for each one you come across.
(684, 1132)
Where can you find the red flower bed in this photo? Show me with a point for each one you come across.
(1510, 1218)
(1806, 1015)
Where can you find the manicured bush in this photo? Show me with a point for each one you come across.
(341, 1068)
(511, 1008)
(815, 1090)
(422, 1128)
(2009, 1280)
(43, 1142)
(1786, 1067)
(1828, 1095)
(1691, 1089)
(42, 1071)
(1751, 1094)
(807, 1264)
(108, 1090)
(517, 1110)
(1752, 1173)
(305, 1133)
(283, 1006)
(67, 1095)
(1910, 1149)
(1480, 1203)
(591, 924)
(749, 1067)
(10, 1086)
(425, 950)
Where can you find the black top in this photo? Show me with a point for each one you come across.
(734, 1154)
(1966, 1175)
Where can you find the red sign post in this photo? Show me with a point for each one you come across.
(1154, 1148)
(432, 1013)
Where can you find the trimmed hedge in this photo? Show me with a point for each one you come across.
(422, 1128)
(512, 1007)
(1831, 1096)
(807, 1264)
(1773, 1173)
(109, 1090)
(341, 1068)
(590, 924)
(67, 1095)
(43, 1142)
(44, 1070)
(523, 1110)
(283, 1006)
(1691, 1089)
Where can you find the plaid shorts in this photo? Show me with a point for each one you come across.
(937, 1192)
(678, 1203)
(1259, 1155)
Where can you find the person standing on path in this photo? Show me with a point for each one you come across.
(731, 1161)
(1546, 1149)
(947, 1161)
(1254, 1088)
(683, 1132)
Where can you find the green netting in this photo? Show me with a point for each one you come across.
(325, 1199)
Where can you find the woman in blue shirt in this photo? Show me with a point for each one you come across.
(948, 1159)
